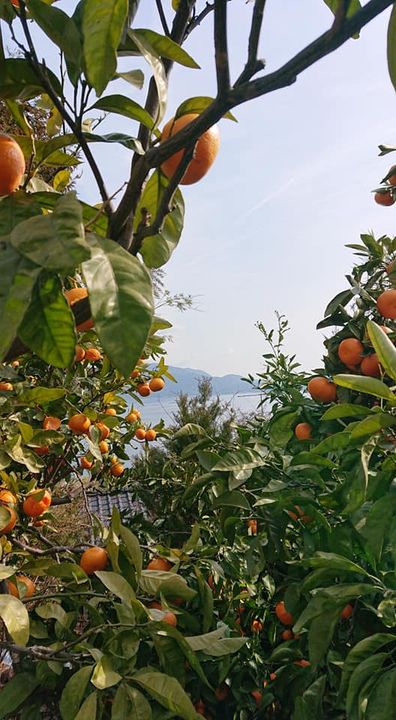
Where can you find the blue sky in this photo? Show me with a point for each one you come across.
(265, 230)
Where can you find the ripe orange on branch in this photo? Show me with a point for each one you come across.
(159, 564)
(10, 521)
(370, 366)
(303, 431)
(205, 150)
(104, 430)
(386, 304)
(6, 386)
(282, 614)
(93, 559)
(12, 165)
(322, 390)
(140, 433)
(30, 587)
(156, 384)
(117, 469)
(143, 389)
(350, 351)
(150, 435)
(92, 354)
(79, 424)
(37, 502)
(384, 198)
(51, 423)
(7, 497)
(74, 295)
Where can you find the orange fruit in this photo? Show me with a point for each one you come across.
(170, 619)
(38, 522)
(30, 587)
(135, 373)
(103, 447)
(299, 515)
(303, 431)
(222, 692)
(156, 384)
(43, 450)
(205, 150)
(302, 663)
(132, 417)
(93, 559)
(159, 564)
(370, 366)
(86, 463)
(79, 354)
(6, 386)
(256, 626)
(12, 165)
(150, 435)
(7, 497)
(200, 707)
(322, 390)
(257, 695)
(252, 526)
(282, 614)
(346, 612)
(117, 469)
(143, 389)
(350, 351)
(140, 433)
(287, 635)
(74, 295)
(392, 179)
(386, 304)
(34, 505)
(272, 676)
(212, 583)
(11, 522)
(92, 354)
(110, 411)
(384, 198)
(15, 3)
(103, 429)
(79, 424)
(51, 423)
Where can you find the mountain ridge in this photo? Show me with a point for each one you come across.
(187, 382)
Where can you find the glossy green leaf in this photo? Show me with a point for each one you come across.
(310, 705)
(167, 691)
(133, 77)
(18, 278)
(372, 425)
(92, 217)
(157, 249)
(132, 548)
(164, 47)
(320, 634)
(362, 673)
(206, 601)
(129, 702)
(196, 105)
(55, 241)
(125, 106)
(73, 693)
(21, 454)
(215, 644)
(88, 709)
(52, 610)
(384, 347)
(329, 599)
(337, 441)
(15, 617)
(102, 27)
(153, 59)
(239, 460)
(16, 691)
(48, 325)
(362, 650)
(345, 410)
(19, 82)
(166, 582)
(121, 301)
(342, 299)
(6, 571)
(126, 140)
(62, 30)
(391, 47)
(333, 561)
(104, 676)
(375, 526)
(235, 498)
(117, 585)
(281, 428)
(382, 698)
(42, 395)
(367, 385)
(16, 207)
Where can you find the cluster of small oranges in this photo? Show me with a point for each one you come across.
(387, 195)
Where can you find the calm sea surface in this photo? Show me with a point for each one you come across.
(155, 409)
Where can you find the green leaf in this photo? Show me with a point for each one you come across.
(215, 644)
(91, 215)
(337, 441)
(16, 691)
(151, 56)
(360, 676)
(56, 241)
(382, 699)
(133, 548)
(19, 82)
(368, 385)
(330, 598)
(383, 346)
(332, 561)
(362, 650)
(73, 693)
(309, 705)
(375, 525)
(88, 708)
(163, 47)
(345, 410)
(372, 425)
(16, 207)
(166, 582)
(157, 249)
(235, 498)
(117, 585)
(342, 299)
(48, 325)
(320, 633)
(125, 106)
(129, 142)
(6, 571)
(102, 27)
(391, 47)
(18, 278)
(239, 460)
(121, 301)
(167, 691)
(52, 610)
(15, 617)
(20, 454)
(133, 77)
(206, 601)
(196, 105)
(103, 675)
(280, 428)
(62, 30)
(129, 702)
(191, 429)
(41, 395)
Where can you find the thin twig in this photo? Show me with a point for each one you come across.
(253, 64)
(195, 21)
(162, 17)
(50, 550)
(221, 49)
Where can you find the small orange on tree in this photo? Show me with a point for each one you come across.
(37, 502)
(6, 387)
(9, 517)
(156, 384)
(29, 585)
(93, 559)
(322, 390)
(12, 165)
(159, 563)
(303, 431)
(117, 469)
(140, 433)
(51, 423)
(150, 435)
(205, 150)
(386, 304)
(282, 614)
(350, 351)
(79, 424)
(143, 389)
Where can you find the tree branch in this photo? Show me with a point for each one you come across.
(209, 7)
(49, 550)
(221, 49)
(162, 17)
(253, 64)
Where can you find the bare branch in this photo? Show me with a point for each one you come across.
(194, 22)
(221, 49)
(49, 550)
(162, 17)
(253, 64)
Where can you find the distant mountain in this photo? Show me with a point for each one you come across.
(187, 382)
